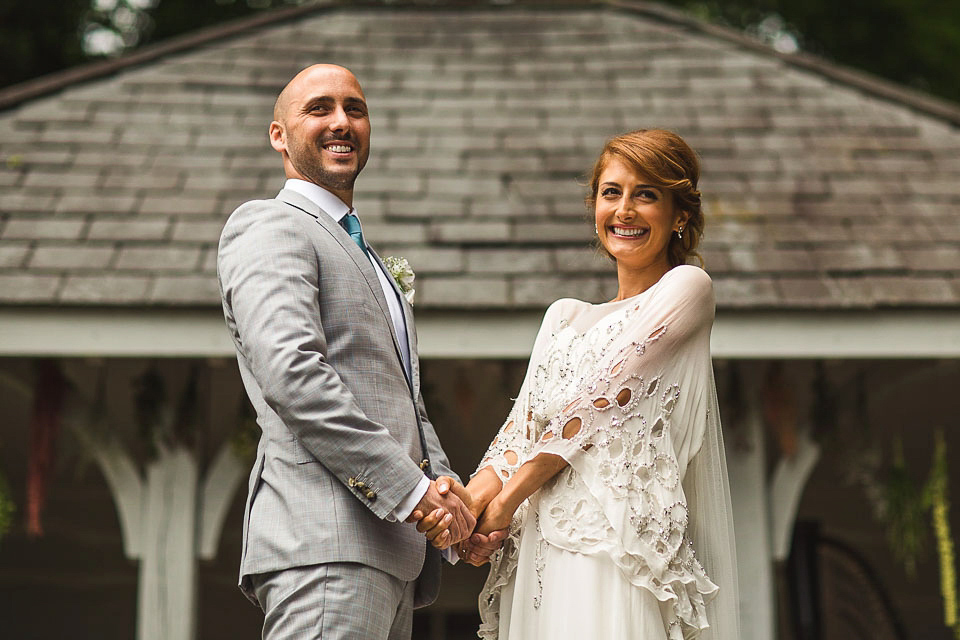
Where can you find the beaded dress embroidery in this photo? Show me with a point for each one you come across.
(624, 393)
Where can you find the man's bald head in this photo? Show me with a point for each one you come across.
(306, 77)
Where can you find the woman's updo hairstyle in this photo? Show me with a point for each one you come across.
(669, 163)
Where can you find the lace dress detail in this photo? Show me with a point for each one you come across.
(623, 392)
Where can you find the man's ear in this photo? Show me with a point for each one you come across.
(278, 137)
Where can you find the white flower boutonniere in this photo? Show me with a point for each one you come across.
(403, 274)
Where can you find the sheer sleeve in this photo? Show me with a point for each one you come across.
(647, 366)
(514, 442)
(643, 433)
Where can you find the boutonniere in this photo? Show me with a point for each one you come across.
(403, 274)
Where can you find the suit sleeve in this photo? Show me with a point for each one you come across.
(270, 277)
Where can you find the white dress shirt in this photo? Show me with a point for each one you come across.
(336, 209)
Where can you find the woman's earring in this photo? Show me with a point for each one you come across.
(596, 229)
(680, 233)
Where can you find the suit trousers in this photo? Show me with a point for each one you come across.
(334, 601)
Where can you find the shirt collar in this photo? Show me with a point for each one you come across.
(327, 201)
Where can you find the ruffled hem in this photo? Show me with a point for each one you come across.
(686, 593)
(677, 578)
(503, 564)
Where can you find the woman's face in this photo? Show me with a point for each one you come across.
(635, 220)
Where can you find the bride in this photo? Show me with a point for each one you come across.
(608, 476)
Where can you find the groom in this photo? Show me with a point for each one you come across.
(328, 356)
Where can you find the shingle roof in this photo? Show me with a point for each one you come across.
(823, 189)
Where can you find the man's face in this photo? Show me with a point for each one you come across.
(322, 128)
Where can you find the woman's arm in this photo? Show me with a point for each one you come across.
(482, 488)
(531, 475)
(490, 500)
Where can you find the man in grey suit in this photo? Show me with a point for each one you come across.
(327, 352)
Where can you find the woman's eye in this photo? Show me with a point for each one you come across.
(647, 194)
(609, 191)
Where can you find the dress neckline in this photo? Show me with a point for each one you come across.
(635, 296)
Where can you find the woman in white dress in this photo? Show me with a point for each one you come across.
(609, 473)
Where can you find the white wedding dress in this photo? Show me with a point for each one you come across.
(634, 539)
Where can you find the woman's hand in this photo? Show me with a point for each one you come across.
(483, 486)
(478, 548)
(495, 517)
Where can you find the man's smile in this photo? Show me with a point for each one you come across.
(338, 147)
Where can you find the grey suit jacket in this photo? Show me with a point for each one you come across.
(320, 362)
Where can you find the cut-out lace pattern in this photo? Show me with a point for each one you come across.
(608, 400)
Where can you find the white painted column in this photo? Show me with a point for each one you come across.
(166, 602)
(786, 489)
(170, 516)
(748, 487)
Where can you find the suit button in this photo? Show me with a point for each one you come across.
(352, 482)
(371, 496)
(361, 485)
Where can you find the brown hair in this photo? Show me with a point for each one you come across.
(668, 162)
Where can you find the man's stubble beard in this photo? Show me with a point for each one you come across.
(311, 167)
(333, 181)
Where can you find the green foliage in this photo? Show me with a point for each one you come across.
(937, 499)
(913, 42)
(36, 39)
(174, 17)
(7, 507)
(904, 513)
(905, 516)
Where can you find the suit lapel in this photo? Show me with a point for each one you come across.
(407, 311)
(356, 254)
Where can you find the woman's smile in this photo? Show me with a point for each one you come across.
(623, 231)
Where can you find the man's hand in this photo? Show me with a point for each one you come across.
(442, 515)
(478, 548)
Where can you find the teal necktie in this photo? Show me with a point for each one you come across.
(351, 225)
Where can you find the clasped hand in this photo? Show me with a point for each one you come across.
(443, 515)
(448, 514)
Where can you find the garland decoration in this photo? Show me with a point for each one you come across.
(937, 498)
(49, 394)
